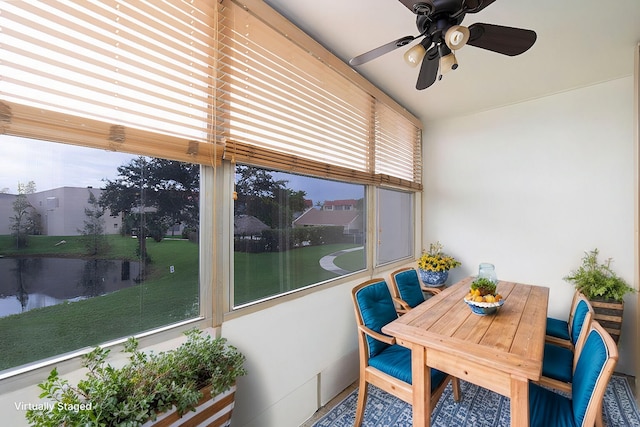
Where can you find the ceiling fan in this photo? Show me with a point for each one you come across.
(438, 23)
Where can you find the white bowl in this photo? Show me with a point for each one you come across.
(484, 308)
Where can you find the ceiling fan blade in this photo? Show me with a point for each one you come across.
(475, 6)
(505, 40)
(381, 50)
(428, 69)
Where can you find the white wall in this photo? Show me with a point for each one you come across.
(531, 186)
(299, 355)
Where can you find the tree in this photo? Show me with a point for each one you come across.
(24, 222)
(177, 186)
(154, 194)
(93, 232)
(269, 200)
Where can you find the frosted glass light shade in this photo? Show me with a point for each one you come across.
(448, 63)
(414, 56)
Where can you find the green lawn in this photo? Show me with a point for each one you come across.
(164, 298)
(119, 247)
(351, 260)
(262, 275)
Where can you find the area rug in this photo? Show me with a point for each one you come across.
(478, 407)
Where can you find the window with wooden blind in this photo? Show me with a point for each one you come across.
(202, 82)
(128, 76)
(100, 238)
(96, 246)
(288, 109)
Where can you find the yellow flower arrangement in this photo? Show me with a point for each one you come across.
(436, 260)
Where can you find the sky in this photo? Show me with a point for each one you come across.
(53, 165)
(320, 190)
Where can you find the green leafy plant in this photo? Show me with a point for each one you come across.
(149, 384)
(484, 286)
(436, 260)
(598, 281)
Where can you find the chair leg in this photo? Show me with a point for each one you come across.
(455, 383)
(362, 400)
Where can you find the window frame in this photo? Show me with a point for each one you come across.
(230, 307)
(413, 222)
(228, 311)
(216, 214)
(20, 376)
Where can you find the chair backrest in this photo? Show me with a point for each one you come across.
(593, 371)
(407, 285)
(583, 311)
(374, 309)
(572, 311)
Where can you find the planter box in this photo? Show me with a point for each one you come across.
(209, 412)
(609, 315)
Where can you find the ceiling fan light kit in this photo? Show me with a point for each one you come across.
(413, 57)
(456, 37)
(448, 63)
(439, 24)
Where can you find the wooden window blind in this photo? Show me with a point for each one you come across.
(284, 99)
(179, 80)
(288, 109)
(132, 75)
(398, 143)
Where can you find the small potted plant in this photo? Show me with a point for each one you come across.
(172, 386)
(434, 265)
(604, 289)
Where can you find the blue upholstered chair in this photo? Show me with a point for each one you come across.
(593, 371)
(383, 362)
(560, 362)
(559, 331)
(407, 289)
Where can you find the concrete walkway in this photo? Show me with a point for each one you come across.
(327, 261)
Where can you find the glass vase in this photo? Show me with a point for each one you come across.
(488, 271)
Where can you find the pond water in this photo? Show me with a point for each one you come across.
(28, 283)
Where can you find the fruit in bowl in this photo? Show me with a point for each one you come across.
(483, 290)
(482, 297)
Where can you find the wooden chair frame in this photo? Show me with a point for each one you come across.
(402, 306)
(586, 327)
(562, 342)
(371, 375)
(595, 391)
(594, 410)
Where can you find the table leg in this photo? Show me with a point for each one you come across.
(519, 402)
(421, 379)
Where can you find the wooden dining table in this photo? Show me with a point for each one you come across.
(501, 352)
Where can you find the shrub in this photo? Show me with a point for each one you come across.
(147, 385)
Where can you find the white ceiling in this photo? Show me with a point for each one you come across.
(580, 43)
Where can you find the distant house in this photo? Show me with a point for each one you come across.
(61, 211)
(308, 203)
(6, 212)
(342, 213)
(340, 205)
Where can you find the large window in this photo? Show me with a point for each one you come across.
(292, 231)
(179, 84)
(94, 246)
